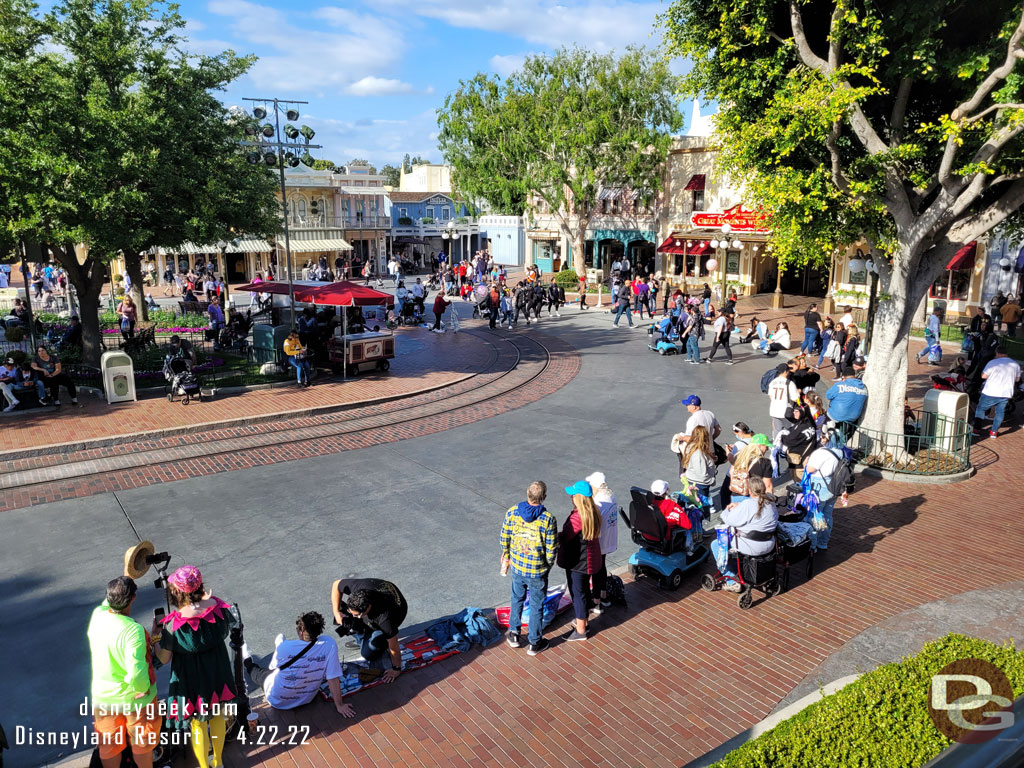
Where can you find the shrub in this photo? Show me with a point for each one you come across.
(567, 278)
(14, 334)
(426, 220)
(880, 720)
(404, 221)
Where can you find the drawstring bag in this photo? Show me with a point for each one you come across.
(724, 537)
(808, 503)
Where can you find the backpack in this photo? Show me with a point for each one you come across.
(615, 591)
(766, 379)
(841, 480)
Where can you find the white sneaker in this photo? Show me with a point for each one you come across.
(11, 407)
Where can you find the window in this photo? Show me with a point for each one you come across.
(446, 213)
(732, 262)
(403, 212)
(606, 206)
(698, 199)
(302, 209)
(430, 212)
(952, 284)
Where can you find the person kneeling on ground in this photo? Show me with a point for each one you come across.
(299, 666)
(755, 520)
(675, 516)
(371, 610)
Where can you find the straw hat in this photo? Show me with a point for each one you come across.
(135, 565)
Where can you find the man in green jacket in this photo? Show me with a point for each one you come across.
(123, 679)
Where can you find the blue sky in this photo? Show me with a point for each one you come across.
(375, 74)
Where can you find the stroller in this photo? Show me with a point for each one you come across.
(180, 380)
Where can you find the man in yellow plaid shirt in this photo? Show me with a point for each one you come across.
(529, 540)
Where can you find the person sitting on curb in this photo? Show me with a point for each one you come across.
(298, 667)
(529, 543)
(372, 610)
(8, 380)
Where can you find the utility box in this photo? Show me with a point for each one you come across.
(944, 418)
(594, 276)
(268, 343)
(118, 377)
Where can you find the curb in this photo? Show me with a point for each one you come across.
(719, 752)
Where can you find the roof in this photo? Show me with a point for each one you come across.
(351, 190)
(415, 197)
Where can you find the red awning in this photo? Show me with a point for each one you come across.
(266, 286)
(344, 294)
(695, 184)
(669, 246)
(699, 249)
(964, 258)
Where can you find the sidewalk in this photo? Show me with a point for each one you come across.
(678, 673)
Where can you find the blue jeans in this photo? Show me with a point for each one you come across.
(810, 337)
(692, 348)
(998, 404)
(618, 313)
(707, 304)
(372, 646)
(716, 550)
(537, 587)
(39, 385)
(301, 368)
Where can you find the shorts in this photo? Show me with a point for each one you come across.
(140, 729)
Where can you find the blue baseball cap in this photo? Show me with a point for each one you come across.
(580, 488)
(691, 400)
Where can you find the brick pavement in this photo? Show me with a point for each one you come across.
(678, 673)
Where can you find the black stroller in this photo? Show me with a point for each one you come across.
(180, 380)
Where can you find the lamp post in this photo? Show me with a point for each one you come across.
(263, 138)
(872, 304)
(448, 236)
(722, 246)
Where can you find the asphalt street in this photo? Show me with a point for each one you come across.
(424, 513)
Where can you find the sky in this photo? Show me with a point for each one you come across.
(374, 74)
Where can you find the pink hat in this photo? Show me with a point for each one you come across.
(186, 579)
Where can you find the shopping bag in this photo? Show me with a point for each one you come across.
(723, 534)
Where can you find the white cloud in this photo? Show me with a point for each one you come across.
(378, 86)
(379, 141)
(325, 50)
(594, 24)
(506, 65)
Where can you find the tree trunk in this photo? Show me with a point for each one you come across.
(133, 266)
(579, 253)
(92, 339)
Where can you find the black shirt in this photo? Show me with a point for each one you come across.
(811, 319)
(388, 608)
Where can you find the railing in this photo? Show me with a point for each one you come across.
(320, 221)
(930, 444)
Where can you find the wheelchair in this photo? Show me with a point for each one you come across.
(662, 554)
(758, 572)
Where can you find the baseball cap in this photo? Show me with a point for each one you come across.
(596, 479)
(579, 488)
(9, 361)
(659, 487)
(691, 400)
(760, 439)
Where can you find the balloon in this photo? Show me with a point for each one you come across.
(712, 265)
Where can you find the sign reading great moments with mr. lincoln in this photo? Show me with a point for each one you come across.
(739, 218)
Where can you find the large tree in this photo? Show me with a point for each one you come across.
(392, 174)
(120, 143)
(894, 120)
(558, 130)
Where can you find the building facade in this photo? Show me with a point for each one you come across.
(428, 223)
(426, 177)
(504, 238)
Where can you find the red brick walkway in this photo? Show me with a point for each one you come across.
(677, 673)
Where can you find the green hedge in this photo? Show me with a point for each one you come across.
(880, 720)
(567, 278)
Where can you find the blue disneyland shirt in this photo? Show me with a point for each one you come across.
(846, 399)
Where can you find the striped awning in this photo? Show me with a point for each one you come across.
(313, 246)
(185, 249)
(249, 245)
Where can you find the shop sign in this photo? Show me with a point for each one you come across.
(739, 218)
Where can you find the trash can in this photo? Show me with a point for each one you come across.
(944, 418)
(118, 377)
(268, 343)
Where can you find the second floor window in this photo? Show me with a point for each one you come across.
(698, 200)
(446, 213)
(403, 213)
(430, 212)
(302, 209)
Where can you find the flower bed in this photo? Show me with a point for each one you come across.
(881, 720)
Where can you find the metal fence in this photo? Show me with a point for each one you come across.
(930, 444)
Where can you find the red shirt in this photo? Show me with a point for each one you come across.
(675, 515)
(461, 269)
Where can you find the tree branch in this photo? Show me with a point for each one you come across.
(1013, 52)
(975, 226)
(993, 108)
(834, 48)
(803, 47)
(899, 110)
(833, 150)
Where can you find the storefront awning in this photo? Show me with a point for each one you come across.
(617, 193)
(699, 248)
(314, 246)
(249, 245)
(669, 246)
(695, 184)
(964, 258)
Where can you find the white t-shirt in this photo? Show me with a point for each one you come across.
(824, 461)
(782, 393)
(417, 290)
(1002, 373)
(298, 684)
(720, 326)
(846, 320)
(704, 419)
(609, 538)
(3, 279)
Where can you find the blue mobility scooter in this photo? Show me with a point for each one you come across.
(662, 554)
(668, 341)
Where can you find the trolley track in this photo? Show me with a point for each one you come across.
(521, 361)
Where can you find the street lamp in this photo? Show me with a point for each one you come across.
(448, 235)
(723, 245)
(279, 155)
